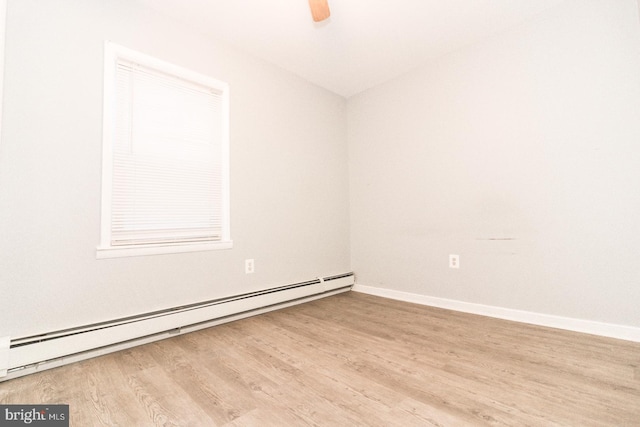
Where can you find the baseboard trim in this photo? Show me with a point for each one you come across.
(628, 333)
(78, 357)
(55, 348)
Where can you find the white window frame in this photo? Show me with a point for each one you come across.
(106, 249)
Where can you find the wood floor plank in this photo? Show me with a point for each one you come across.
(222, 400)
(164, 403)
(352, 359)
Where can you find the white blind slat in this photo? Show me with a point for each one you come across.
(167, 155)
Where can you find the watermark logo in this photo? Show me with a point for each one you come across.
(34, 415)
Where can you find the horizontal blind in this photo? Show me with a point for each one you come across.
(167, 165)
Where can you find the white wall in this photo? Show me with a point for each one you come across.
(533, 136)
(289, 182)
(3, 13)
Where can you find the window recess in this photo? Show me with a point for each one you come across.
(165, 158)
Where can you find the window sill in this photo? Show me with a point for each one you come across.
(128, 251)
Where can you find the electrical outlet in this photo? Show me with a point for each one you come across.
(249, 266)
(454, 261)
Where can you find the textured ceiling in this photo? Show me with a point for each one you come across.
(362, 44)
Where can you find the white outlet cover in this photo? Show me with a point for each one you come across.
(454, 261)
(249, 266)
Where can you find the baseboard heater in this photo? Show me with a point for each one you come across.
(47, 350)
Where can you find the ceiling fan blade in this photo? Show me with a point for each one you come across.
(319, 9)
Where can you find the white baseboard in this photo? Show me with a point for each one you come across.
(622, 332)
(66, 360)
(23, 355)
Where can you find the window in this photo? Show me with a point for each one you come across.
(165, 158)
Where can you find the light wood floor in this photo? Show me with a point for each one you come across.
(352, 360)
